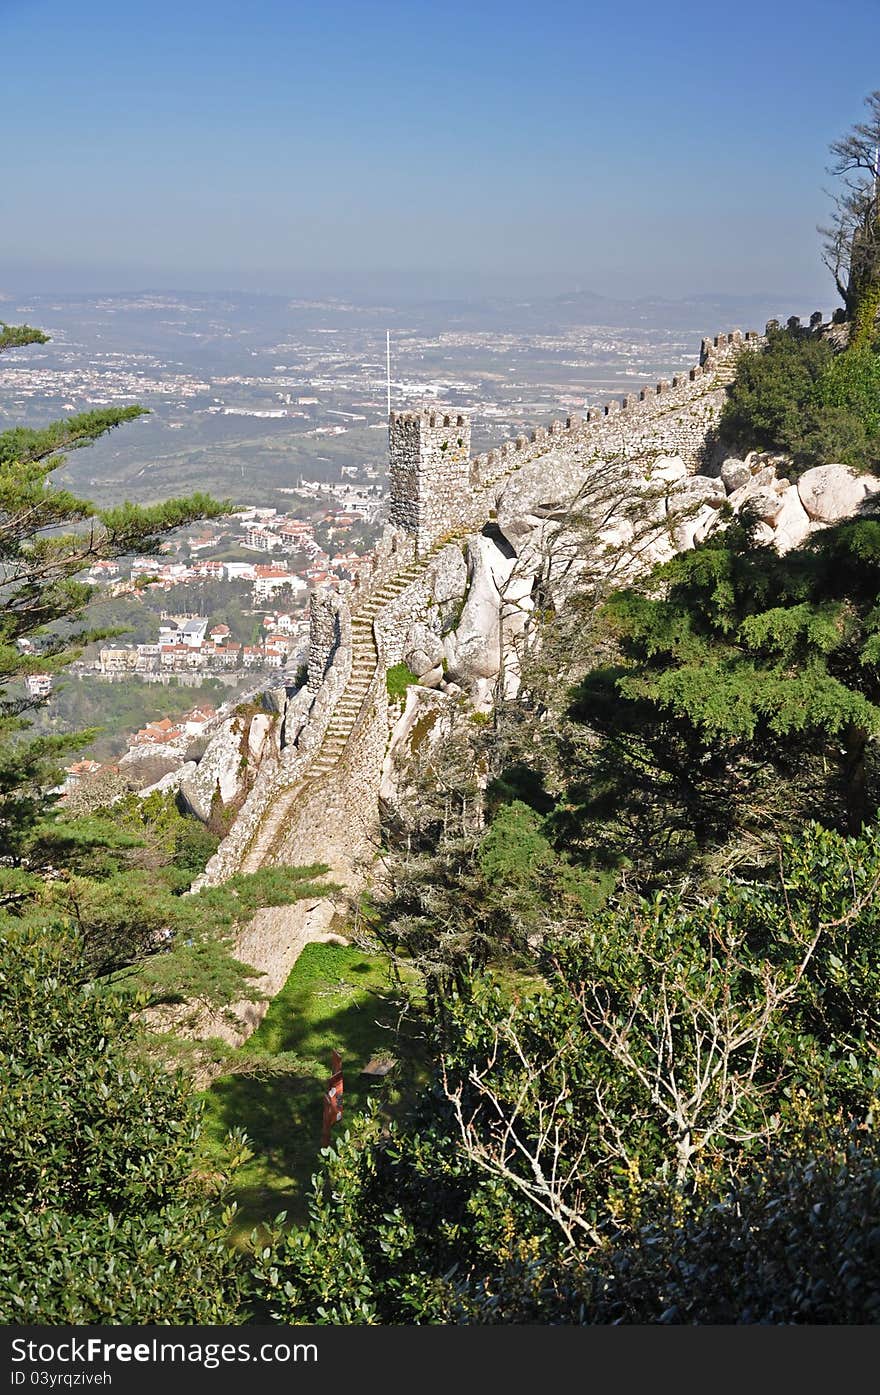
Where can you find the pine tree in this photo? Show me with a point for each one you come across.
(744, 697)
(48, 539)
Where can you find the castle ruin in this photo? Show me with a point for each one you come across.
(318, 800)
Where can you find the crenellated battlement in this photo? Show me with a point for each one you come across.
(430, 418)
(637, 419)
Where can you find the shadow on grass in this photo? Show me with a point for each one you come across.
(335, 998)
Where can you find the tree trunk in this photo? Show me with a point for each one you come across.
(855, 777)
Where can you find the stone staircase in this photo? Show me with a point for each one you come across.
(268, 837)
(363, 665)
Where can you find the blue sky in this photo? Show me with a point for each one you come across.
(660, 148)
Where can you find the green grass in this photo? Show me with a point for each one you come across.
(398, 679)
(336, 997)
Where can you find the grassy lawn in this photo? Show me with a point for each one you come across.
(336, 996)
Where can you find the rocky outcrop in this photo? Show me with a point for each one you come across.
(237, 749)
(667, 469)
(219, 775)
(791, 525)
(786, 514)
(421, 724)
(258, 734)
(734, 473)
(472, 651)
(424, 649)
(533, 531)
(447, 575)
(170, 752)
(540, 491)
(697, 489)
(170, 783)
(830, 493)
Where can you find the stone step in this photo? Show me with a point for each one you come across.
(363, 668)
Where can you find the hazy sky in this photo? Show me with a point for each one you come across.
(655, 147)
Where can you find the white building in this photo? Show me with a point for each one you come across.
(266, 586)
(261, 540)
(39, 684)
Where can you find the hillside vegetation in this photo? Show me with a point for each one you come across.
(625, 948)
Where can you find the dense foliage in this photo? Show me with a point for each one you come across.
(801, 398)
(104, 1216)
(668, 1053)
(742, 696)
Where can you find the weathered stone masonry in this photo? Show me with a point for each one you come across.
(317, 802)
(430, 476)
(433, 493)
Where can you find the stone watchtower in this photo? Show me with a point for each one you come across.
(429, 454)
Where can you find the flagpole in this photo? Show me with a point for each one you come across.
(388, 368)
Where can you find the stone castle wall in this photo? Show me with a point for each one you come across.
(303, 738)
(329, 629)
(337, 818)
(437, 492)
(671, 417)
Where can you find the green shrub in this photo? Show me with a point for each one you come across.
(798, 396)
(104, 1214)
(852, 383)
(398, 679)
(796, 1241)
(766, 402)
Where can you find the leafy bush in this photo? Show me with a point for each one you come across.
(654, 1136)
(767, 396)
(851, 383)
(103, 1215)
(743, 700)
(799, 397)
(798, 1241)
